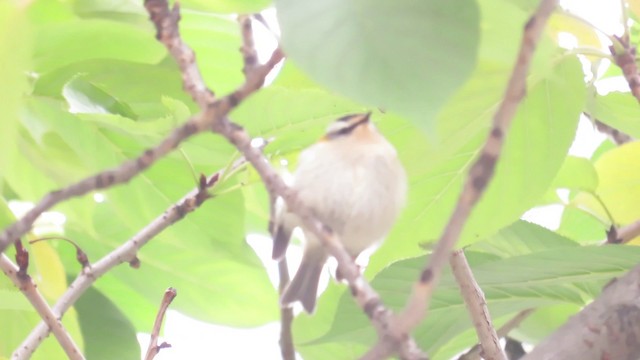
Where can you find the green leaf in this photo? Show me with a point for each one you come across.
(126, 11)
(184, 256)
(228, 6)
(85, 97)
(573, 275)
(576, 173)
(63, 43)
(534, 151)
(126, 81)
(543, 321)
(581, 226)
(619, 185)
(521, 238)
(407, 56)
(216, 40)
(108, 333)
(15, 51)
(619, 110)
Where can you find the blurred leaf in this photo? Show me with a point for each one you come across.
(49, 11)
(126, 11)
(108, 333)
(543, 321)
(85, 97)
(15, 51)
(184, 256)
(521, 238)
(617, 109)
(619, 185)
(127, 81)
(405, 56)
(586, 36)
(216, 40)
(63, 43)
(227, 6)
(576, 173)
(581, 226)
(573, 275)
(534, 151)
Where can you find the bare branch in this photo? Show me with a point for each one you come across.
(213, 112)
(617, 136)
(479, 175)
(365, 295)
(287, 349)
(248, 49)
(624, 55)
(477, 306)
(154, 348)
(81, 256)
(125, 253)
(504, 330)
(28, 288)
(608, 328)
(628, 232)
(168, 33)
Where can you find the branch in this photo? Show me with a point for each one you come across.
(477, 306)
(608, 328)
(154, 348)
(250, 59)
(28, 288)
(212, 112)
(364, 294)
(479, 175)
(287, 349)
(624, 55)
(622, 235)
(105, 179)
(617, 136)
(504, 330)
(125, 253)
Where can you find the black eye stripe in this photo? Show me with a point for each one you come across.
(347, 130)
(345, 118)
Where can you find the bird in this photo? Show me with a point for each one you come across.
(353, 182)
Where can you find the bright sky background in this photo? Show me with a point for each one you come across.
(192, 339)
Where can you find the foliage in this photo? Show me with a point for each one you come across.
(85, 86)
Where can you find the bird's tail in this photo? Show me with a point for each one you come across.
(304, 286)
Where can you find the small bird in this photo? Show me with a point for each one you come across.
(353, 182)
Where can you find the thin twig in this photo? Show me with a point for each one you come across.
(154, 348)
(250, 59)
(624, 55)
(504, 330)
(477, 307)
(617, 136)
(124, 253)
(287, 348)
(479, 176)
(212, 112)
(248, 49)
(28, 288)
(81, 256)
(364, 294)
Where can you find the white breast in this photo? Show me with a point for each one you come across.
(356, 190)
